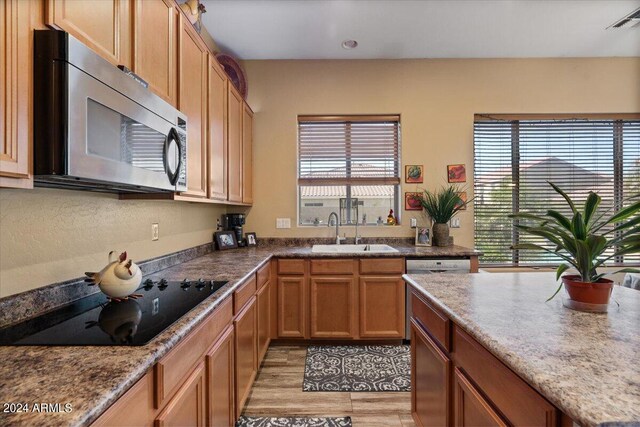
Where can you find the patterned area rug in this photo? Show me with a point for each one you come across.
(293, 422)
(358, 368)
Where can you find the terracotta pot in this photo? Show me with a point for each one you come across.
(441, 234)
(590, 293)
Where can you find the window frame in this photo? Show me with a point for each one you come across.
(617, 144)
(348, 119)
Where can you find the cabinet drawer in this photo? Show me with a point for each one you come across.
(244, 294)
(515, 399)
(290, 266)
(382, 266)
(437, 324)
(173, 368)
(263, 274)
(332, 266)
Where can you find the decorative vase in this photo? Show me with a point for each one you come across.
(441, 234)
(589, 293)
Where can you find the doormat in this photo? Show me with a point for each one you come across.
(358, 368)
(293, 422)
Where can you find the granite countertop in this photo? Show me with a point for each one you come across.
(586, 364)
(92, 378)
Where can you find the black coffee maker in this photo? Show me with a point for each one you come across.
(234, 222)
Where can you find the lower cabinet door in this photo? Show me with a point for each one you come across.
(220, 378)
(187, 408)
(470, 408)
(430, 377)
(333, 309)
(245, 353)
(292, 303)
(264, 320)
(382, 301)
(134, 408)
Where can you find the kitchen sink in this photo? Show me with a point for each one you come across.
(352, 249)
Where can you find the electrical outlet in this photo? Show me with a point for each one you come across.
(414, 223)
(155, 231)
(455, 222)
(283, 222)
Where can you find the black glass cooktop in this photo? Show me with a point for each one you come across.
(95, 320)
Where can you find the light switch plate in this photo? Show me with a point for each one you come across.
(283, 222)
(455, 222)
(414, 223)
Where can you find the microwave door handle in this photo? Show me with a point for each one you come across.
(173, 175)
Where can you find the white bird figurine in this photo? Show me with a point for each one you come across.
(119, 279)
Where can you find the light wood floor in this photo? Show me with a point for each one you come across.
(277, 391)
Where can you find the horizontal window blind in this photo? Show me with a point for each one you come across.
(514, 159)
(353, 151)
(631, 167)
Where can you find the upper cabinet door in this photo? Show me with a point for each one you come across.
(247, 154)
(192, 101)
(18, 18)
(217, 131)
(155, 46)
(235, 113)
(103, 25)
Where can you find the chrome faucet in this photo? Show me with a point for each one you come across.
(338, 238)
(357, 238)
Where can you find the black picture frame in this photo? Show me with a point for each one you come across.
(225, 240)
(251, 238)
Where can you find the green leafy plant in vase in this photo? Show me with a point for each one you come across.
(582, 241)
(441, 206)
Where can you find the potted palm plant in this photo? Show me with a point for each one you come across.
(441, 206)
(585, 241)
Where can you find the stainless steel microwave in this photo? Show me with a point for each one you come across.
(98, 128)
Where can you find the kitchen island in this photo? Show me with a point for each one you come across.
(502, 354)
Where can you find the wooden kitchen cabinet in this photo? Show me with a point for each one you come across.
(134, 408)
(155, 46)
(18, 18)
(470, 408)
(187, 407)
(292, 307)
(520, 404)
(218, 189)
(246, 365)
(220, 381)
(485, 392)
(103, 25)
(247, 154)
(333, 307)
(234, 137)
(325, 298)
(382, 307)
(192, 101)
(264, 320)
(430, 379)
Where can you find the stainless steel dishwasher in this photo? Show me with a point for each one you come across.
(431, 266)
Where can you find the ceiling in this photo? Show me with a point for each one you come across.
(315, 29)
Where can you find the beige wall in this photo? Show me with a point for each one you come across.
(437, 100)
(53, 235)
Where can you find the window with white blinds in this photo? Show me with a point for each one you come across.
(349, 165)
(514, 159)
